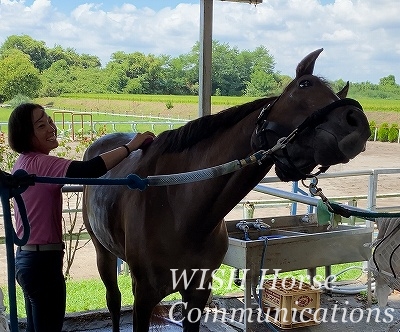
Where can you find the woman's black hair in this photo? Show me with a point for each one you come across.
(20, 127)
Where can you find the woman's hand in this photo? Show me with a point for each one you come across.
(141, 141)
(115, 156)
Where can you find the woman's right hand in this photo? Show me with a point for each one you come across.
(141, 140)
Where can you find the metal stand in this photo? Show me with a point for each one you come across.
(11, 187)
(9, 235)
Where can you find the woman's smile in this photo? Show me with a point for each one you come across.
(45, 132)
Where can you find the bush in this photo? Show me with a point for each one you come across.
(18, 100)
(393, 134)
(169, 105)
(7, 156)
(372, 127)
(383, 132)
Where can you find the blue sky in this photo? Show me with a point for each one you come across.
(360, 37)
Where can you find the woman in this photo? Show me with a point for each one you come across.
(32, 133)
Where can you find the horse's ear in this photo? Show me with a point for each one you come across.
(343, 93)
(306, 66)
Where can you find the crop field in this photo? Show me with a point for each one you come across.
(143, 110)
(186, 107)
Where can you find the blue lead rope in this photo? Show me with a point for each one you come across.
(22, 179)
(133, 181)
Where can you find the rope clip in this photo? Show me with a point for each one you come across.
(316, 191)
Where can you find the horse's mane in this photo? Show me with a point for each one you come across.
(326, 82)
(177, 140)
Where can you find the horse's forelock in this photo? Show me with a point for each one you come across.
(179, 139)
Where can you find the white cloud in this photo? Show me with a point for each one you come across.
(360, 38)
(339, 35)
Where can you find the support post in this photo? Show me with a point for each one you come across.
(205, 56)
(372, 190)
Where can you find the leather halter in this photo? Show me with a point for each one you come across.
(264, 126)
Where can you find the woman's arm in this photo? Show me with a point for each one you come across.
(92, 168)
(115, 156)
(99, 165)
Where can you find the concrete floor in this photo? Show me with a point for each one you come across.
(343, 313)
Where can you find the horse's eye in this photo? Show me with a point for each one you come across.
(305, 84)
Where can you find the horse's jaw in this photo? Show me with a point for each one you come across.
(287, 171)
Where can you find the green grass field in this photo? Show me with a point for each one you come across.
(85, 295)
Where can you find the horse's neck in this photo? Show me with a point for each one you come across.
(222, 193)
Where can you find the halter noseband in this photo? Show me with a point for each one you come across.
(313, 120)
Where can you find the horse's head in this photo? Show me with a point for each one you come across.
(324, 127)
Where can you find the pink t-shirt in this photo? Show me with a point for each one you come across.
(43, 201)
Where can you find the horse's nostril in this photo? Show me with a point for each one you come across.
(351, 118)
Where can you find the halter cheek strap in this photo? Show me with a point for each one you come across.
(268, 133)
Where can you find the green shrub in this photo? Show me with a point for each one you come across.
(7, 156)
(383, 132)
(169, 105)
(372, 127)
(18, 100)
(393, 134)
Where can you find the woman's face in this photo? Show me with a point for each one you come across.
(44, 132)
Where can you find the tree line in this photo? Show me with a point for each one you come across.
(29, 68)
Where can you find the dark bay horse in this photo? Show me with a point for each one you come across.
(181, 226)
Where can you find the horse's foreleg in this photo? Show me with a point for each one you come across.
(107, 266)
(146, 299)
(194, 301)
